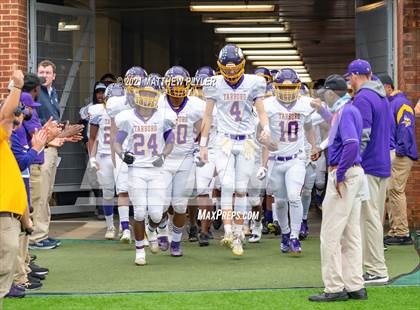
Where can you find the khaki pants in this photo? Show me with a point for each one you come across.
(372, 229)
(397, 204)
(21, 274)
(9, 248)
(341, 246)
(42, 214)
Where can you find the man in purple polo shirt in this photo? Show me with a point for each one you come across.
(341, 244)
(370, 99)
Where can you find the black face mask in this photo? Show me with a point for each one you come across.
(27, 117)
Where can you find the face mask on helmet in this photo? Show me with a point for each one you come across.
(231, 72)
(287, 92)
(177, 86)
(146, 97)
(133, 78)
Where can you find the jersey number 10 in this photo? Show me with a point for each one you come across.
(291, 131)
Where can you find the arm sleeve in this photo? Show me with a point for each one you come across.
(121, 135)
(24, 159)
(325, 114)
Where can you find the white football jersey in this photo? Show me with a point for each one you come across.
(234, 104)
(287, 124)
(99, 117)
(145, 138)
(117, 104)
(191, 111)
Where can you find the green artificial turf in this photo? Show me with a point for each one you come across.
(89, 267)
(379, 298)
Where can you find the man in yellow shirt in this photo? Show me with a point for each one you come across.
(13, 200)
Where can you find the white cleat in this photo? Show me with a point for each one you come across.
(256, 233)
(126, 236)
(227, 240)
(140, 259)
(237, 249)
(110, 233)
(153, 243)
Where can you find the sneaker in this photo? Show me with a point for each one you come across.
(37, 269)
(203, 239)
(397, 240)
(36, 275)
(237, 248)
(153, 241)
(328, 297)
(32, 257)
(32, 286)
(110, 233)
(304, 230)
(15, 293)
(193, 234)
(34, 279)
(140, 258)
(43, 245)
(163, 243)
(358, 295)
(284, 245)
(256, 233)
(370, 278)
(227, 240)
(274, 228)
(176, 250)
(20, 287)
(295, 247)
(126, 236)
(58, 242)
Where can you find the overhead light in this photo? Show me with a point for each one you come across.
(273, 57)
(232, 8)
(302, 75)
(265, 45)
(63, 26)
(249, 30)
(296, 68)
(306, 80)
(270, 52)
(211, 20)
(370, 7)
(278, 63)
(258, 39)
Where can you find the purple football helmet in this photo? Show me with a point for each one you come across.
(231, 63)
(265, 73)
(286, 85)
(177, 82)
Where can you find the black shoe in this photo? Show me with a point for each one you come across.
(406, 240)
(323, 297)
(203, 239)
(32, 257)
(56, 241)
(32, 286)
(360, 294)
(33, 279)
(192, 235)
(15, 292)
(210, 235)
(36, 275)
(370, 278)
(37, 269)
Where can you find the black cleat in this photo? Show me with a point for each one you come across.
(37, 269)
(264, 229)
(192, 235)
(36, 275)
(325, 297)
(203, 239)
(360, 294)
(406, 240)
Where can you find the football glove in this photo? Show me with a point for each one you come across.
(128, 158)
(262, 173)
(198, 162)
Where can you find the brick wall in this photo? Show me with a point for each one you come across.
(13, 39)
(409, 81)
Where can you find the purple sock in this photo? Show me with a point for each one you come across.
(108, 210)
(124, 225)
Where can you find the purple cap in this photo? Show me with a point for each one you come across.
(358, 66)
(27, 100)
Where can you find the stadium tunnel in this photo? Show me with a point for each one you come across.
(87, 38)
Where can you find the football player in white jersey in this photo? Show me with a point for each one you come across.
(234, 94)
(150, 140)
(114, 106)
(186, 113)
(289, 116)
(99, 148)
(204, 172)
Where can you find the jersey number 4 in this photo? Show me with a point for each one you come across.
(235, 112)
(140, 147)
(289, 131)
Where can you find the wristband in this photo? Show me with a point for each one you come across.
(266, 128)
(203, 141)
(20, 88)
(92, 161)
